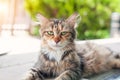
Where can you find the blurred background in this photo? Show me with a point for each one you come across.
(100, 18)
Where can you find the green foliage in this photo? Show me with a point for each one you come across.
(35, 30)
(95, 14)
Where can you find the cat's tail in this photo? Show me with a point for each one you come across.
(115, 60)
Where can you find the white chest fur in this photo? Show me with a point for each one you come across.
(57, 55)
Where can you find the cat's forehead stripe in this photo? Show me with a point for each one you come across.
(57, 24)
(57, 21)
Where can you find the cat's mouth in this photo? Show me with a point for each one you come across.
(56, 46)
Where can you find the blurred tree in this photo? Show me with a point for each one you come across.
(95, 14)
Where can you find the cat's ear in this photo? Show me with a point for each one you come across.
(74, 20)
(41, 19)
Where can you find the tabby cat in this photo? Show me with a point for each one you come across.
(62, 59)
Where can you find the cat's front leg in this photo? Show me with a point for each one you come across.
(70, 75)
(33, 75)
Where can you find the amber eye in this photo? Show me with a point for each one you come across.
(63, 33)
(50, 33)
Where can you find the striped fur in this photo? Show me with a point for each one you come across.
(62, 59)
(97, 58)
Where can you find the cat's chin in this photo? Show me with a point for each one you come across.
(56, 47)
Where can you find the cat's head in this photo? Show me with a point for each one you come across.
(57, 33)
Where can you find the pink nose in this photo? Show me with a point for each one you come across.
(57, 39)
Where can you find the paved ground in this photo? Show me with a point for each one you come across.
(18, 45)
(23, 52)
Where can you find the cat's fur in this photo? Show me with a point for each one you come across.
(62, 59)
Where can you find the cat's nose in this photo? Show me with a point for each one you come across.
(57, 39)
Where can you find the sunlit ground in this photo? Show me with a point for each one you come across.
(21, 42)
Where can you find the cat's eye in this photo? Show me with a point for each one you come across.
(50, 32)
(63, 33)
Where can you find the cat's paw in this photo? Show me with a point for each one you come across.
(27, 76)
(84, 79)
(30, 75)
(58, 78)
